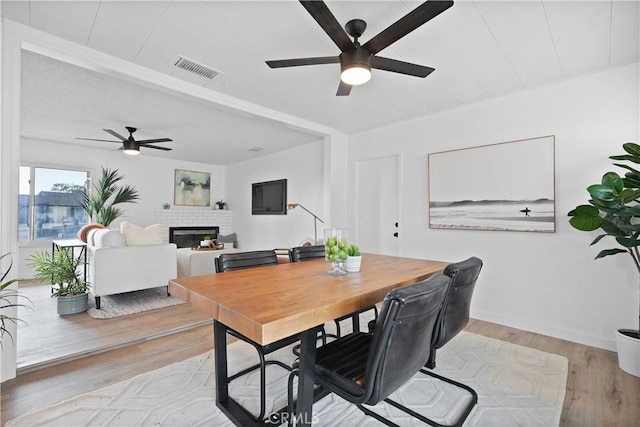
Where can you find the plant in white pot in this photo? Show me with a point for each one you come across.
(615, 209)
(62, 270)
(354, 259)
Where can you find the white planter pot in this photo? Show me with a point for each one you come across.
(353, 264)
(628, 351)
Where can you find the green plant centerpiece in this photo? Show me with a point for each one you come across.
(614, 209)
(8, 299)
(353, 250)
(62, 270)
(354, 259)
(100, 204)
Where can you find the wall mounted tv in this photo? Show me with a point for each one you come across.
(269, 198)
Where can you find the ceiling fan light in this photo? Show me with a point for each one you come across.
(131, 148)
(355, 66)
(355, 75)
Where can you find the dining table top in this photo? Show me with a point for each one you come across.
(273, 302)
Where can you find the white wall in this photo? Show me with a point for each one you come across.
(152, 176)
(303, 168)
(547, 283)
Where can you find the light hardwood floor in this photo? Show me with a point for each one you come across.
(598, 393)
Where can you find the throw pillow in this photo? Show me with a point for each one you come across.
(229, 238)
(84, 230)
(138, 236)
(105, 238)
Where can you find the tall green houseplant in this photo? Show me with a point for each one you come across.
(614, 209)
(8, 299)
(100, 204)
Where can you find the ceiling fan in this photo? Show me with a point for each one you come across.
(130, 145)
(357, 60)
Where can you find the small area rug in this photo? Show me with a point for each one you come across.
(131, 302)
(517, 386)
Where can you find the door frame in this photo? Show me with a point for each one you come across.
(355, 221)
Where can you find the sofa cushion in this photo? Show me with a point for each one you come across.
(138, 236)
(105, 238)
(229, 238)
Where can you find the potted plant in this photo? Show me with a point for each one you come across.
(221, 204)
(100, 204)
(8, 299)
(354, 259)
(61, 268)
(615, 209)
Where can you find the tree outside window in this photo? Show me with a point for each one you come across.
(50, 203)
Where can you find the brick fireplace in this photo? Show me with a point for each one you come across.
(194, 217)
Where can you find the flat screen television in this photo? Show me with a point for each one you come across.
(269, 198)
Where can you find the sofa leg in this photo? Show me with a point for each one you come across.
(98, 303)
(168, 293)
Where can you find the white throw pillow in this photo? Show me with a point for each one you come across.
(138, 236)
(105, 238)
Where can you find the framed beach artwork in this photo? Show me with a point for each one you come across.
(507, 187)
(192, 188)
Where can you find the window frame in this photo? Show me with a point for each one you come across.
(31, 214)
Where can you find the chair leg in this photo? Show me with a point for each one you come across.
(262, 365)
(461, 419)
(431, 363)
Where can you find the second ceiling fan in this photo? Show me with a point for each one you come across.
(130, 145)
(357, 60)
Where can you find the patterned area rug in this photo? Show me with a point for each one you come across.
(131, 302)
(517, 386)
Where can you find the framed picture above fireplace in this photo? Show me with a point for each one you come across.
(191, 188)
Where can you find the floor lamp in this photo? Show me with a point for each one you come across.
(315, 219)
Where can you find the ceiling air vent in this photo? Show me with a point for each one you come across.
(196, 68)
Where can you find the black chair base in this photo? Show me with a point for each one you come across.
(461, 419)
(321, 392)
(262, 366)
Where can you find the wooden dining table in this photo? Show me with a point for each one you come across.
(270, 303)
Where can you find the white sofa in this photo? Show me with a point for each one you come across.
(198, 263)
(122, 261)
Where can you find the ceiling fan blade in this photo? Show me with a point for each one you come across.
(401, 67)
(403, 26)
(154, 147)
(329, 23)
(279, 63)
(344, 89)
(149, 141)
(102, 140)
(116, 134)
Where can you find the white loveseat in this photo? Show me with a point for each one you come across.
(131, 259)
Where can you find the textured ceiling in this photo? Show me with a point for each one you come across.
(480, 50)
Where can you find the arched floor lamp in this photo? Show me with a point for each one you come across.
(291, 206)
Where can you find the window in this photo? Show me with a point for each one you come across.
(50, 203)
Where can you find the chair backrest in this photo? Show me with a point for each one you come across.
(305, 253)
(455, 311)
(402, 338)
(242, 260)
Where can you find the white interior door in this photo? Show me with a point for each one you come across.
(377, 205)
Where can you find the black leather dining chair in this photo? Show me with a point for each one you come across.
(454, 315)
(366, 368)
(239, 261)
(304, 253)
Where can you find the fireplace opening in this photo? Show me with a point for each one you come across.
(190, 237)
